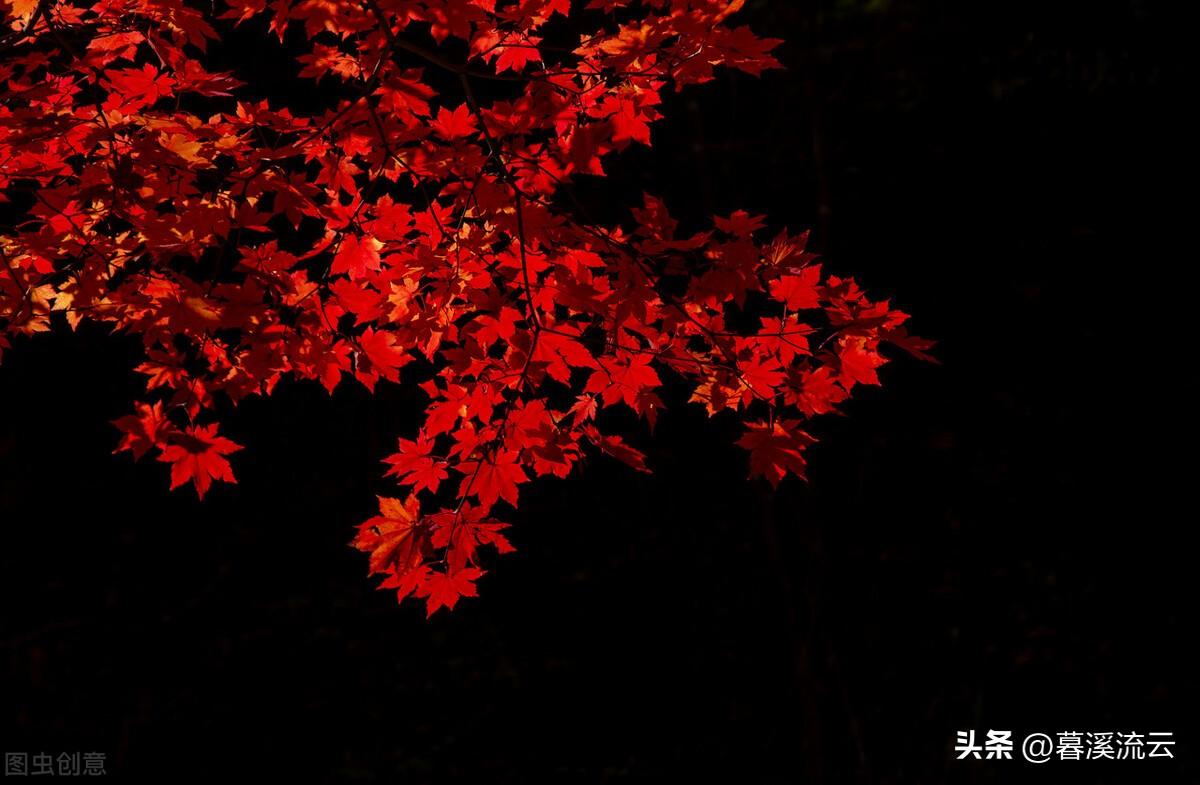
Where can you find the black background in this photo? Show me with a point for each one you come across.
(1003, 541)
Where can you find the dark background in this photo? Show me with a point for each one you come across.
(1003, 541)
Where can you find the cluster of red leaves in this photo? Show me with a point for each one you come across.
(150, 197)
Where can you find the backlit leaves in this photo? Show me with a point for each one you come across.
(410, 233)
(198, 455)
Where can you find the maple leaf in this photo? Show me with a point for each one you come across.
(762, 375)
(916, 346)
(745, 50)
(858, 362)
(382, 357)
(628, 123)
(454, 124)
(623, 380)
(413, 465)
(584, 408)
(508, 51)
(198, 454)
(356, 256)
(22, 9)
(462, 531)
(617, 448)
(515, 58)
(816, 391)
(799, 292)
(740, 223)
(139, 87)
(443, 590)
(776, 449)
(366, 304)
(493, 479)
(183, 146)
(145, 429)
(786, 338)
(397, 538)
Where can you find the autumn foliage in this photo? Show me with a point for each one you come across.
(410, 231)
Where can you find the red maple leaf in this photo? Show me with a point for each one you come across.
(148, 428)
(198, 454)
(617, 448)
(800, 291)
(454, 124)
(442, 590)
(380, 357)
(492, 479)
(413, 465)
(356, 256)
(463, 530)
(623, 380)
(629, 124)
(397, 538)
(776, 449)
(858, 362)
